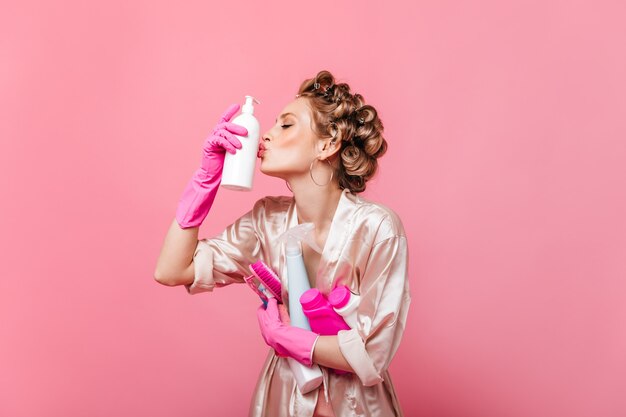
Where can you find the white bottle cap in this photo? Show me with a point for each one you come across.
(248, 107)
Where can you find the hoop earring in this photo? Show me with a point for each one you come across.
(288, 186)
(331, 172)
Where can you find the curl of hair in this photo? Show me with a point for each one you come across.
(358, 129)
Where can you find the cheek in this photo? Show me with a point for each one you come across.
(296, 146)
(290, 156)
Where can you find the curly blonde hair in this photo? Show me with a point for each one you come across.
(355, 126)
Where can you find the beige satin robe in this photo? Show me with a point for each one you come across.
(366, 249)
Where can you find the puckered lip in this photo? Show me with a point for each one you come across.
(261, 150)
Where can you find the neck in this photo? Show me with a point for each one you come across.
(316, 204)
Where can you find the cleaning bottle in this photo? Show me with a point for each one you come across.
(345, 303)
(238, 172)
(322, 317)
(307, 378)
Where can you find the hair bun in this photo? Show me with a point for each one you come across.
(355, 125)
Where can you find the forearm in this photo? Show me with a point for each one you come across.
(327, 353)
(175, 263)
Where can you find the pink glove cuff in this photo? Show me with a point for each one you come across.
(313, 350)
(196, 200)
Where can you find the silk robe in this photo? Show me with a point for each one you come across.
(366, 249)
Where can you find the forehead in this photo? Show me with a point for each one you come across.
(298, 107)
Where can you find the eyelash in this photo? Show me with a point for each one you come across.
(285, 126)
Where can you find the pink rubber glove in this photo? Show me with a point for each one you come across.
(197, 199)
(285, 339)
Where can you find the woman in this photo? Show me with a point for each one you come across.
(325, 145)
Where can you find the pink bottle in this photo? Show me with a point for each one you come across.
(345, 304)
(323, 319)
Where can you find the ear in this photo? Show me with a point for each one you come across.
(328, 148)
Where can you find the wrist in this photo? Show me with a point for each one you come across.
(313, 349)
(212, 160)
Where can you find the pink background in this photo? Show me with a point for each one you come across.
(506, 131)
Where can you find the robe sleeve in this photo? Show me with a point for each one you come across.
(382, 311)
(226, 258)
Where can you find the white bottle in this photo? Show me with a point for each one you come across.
(239, 167)
(345, 303)
(307, 378)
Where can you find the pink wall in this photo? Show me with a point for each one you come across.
(506, 162)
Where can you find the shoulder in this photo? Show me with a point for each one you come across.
(274, 202)
(271, 206)
(382, 218)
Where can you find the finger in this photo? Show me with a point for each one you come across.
(272, 308)
(234, 108)
(224, 142)
(235, 128)
(232, 139)
(260, 310)
(232, 127)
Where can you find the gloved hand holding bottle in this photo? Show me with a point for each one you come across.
(199, 194)
(286, 340)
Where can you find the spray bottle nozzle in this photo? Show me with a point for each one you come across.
(297, 234)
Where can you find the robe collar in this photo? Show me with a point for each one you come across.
(337, 237)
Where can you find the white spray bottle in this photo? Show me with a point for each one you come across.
(238, 172)
(307, 378)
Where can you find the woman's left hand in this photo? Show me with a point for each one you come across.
(285, 339)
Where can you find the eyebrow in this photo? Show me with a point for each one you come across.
(284, 115)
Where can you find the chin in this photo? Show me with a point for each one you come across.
(267, 171)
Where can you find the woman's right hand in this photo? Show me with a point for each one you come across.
(222, 139)
(198, 196)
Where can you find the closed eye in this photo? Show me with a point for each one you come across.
(285, 126)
